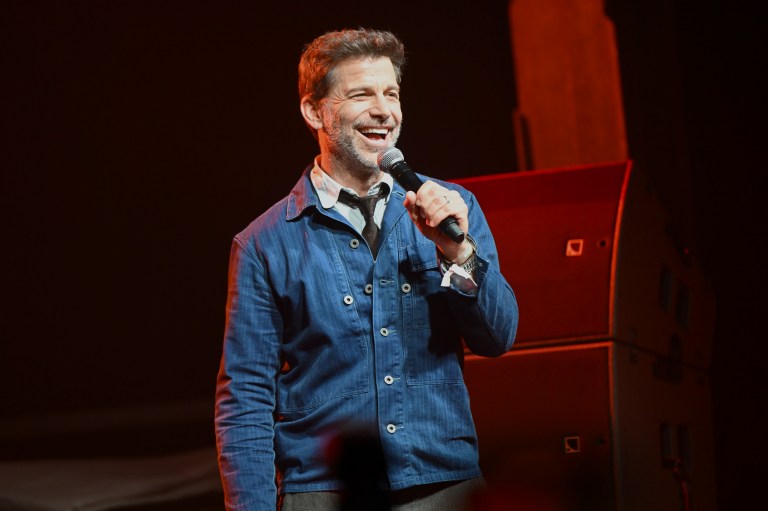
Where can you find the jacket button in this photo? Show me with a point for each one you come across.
(384, 332)
(389, 380)
(369, 289)
(354, 243)
(405, 288)
(391, 428)
(348, 299)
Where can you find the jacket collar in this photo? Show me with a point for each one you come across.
(304, 196)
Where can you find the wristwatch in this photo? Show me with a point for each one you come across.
(469, 265)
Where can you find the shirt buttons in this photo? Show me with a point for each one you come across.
(354, 243)
(369, 289)
(389, 380)
(384, 332)
(391, 428)
(348, 299)
(405, 288)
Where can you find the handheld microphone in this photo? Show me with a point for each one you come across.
(392, 162)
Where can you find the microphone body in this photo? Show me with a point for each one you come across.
(393, 162)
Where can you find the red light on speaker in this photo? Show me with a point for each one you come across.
(574, 248)
(572, 444)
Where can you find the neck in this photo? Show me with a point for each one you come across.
(358, 178)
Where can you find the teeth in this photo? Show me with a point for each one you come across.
(376, 131)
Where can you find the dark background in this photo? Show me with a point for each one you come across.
(139, 137)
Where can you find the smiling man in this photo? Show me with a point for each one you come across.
(346, 311)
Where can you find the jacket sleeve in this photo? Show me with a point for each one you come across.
(488, 319)
(245, 390)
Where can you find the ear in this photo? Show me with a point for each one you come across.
(311, 113)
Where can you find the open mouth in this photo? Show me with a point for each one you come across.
(375, 134)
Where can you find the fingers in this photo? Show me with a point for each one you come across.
(437, 203)
(429, 206)
(414, 211)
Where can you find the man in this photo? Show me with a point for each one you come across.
(339, 317)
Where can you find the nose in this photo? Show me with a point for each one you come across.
(380, 107)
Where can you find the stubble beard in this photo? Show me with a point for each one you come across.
(345, 149)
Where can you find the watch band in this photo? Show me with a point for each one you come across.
(470, 264)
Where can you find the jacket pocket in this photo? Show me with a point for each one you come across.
(432, 342)
(423, 298)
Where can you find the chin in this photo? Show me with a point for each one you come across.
(368, 159)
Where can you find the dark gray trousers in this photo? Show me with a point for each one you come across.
(451, 496)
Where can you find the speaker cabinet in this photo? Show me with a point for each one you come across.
(591, 427)
(591, 255)
(604, 403)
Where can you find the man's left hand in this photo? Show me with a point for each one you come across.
(430, 206)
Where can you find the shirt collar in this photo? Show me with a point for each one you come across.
(328, 189)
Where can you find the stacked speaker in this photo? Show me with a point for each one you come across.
(604, 403)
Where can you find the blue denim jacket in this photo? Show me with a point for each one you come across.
(318, 336)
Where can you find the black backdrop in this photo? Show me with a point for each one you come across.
(138, 137)
(145, 136)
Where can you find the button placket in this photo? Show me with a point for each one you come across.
(388, 345)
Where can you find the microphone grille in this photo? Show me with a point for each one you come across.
(388, 157)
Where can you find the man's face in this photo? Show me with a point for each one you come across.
(361, 114)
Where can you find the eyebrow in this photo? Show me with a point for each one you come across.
(365, 88)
